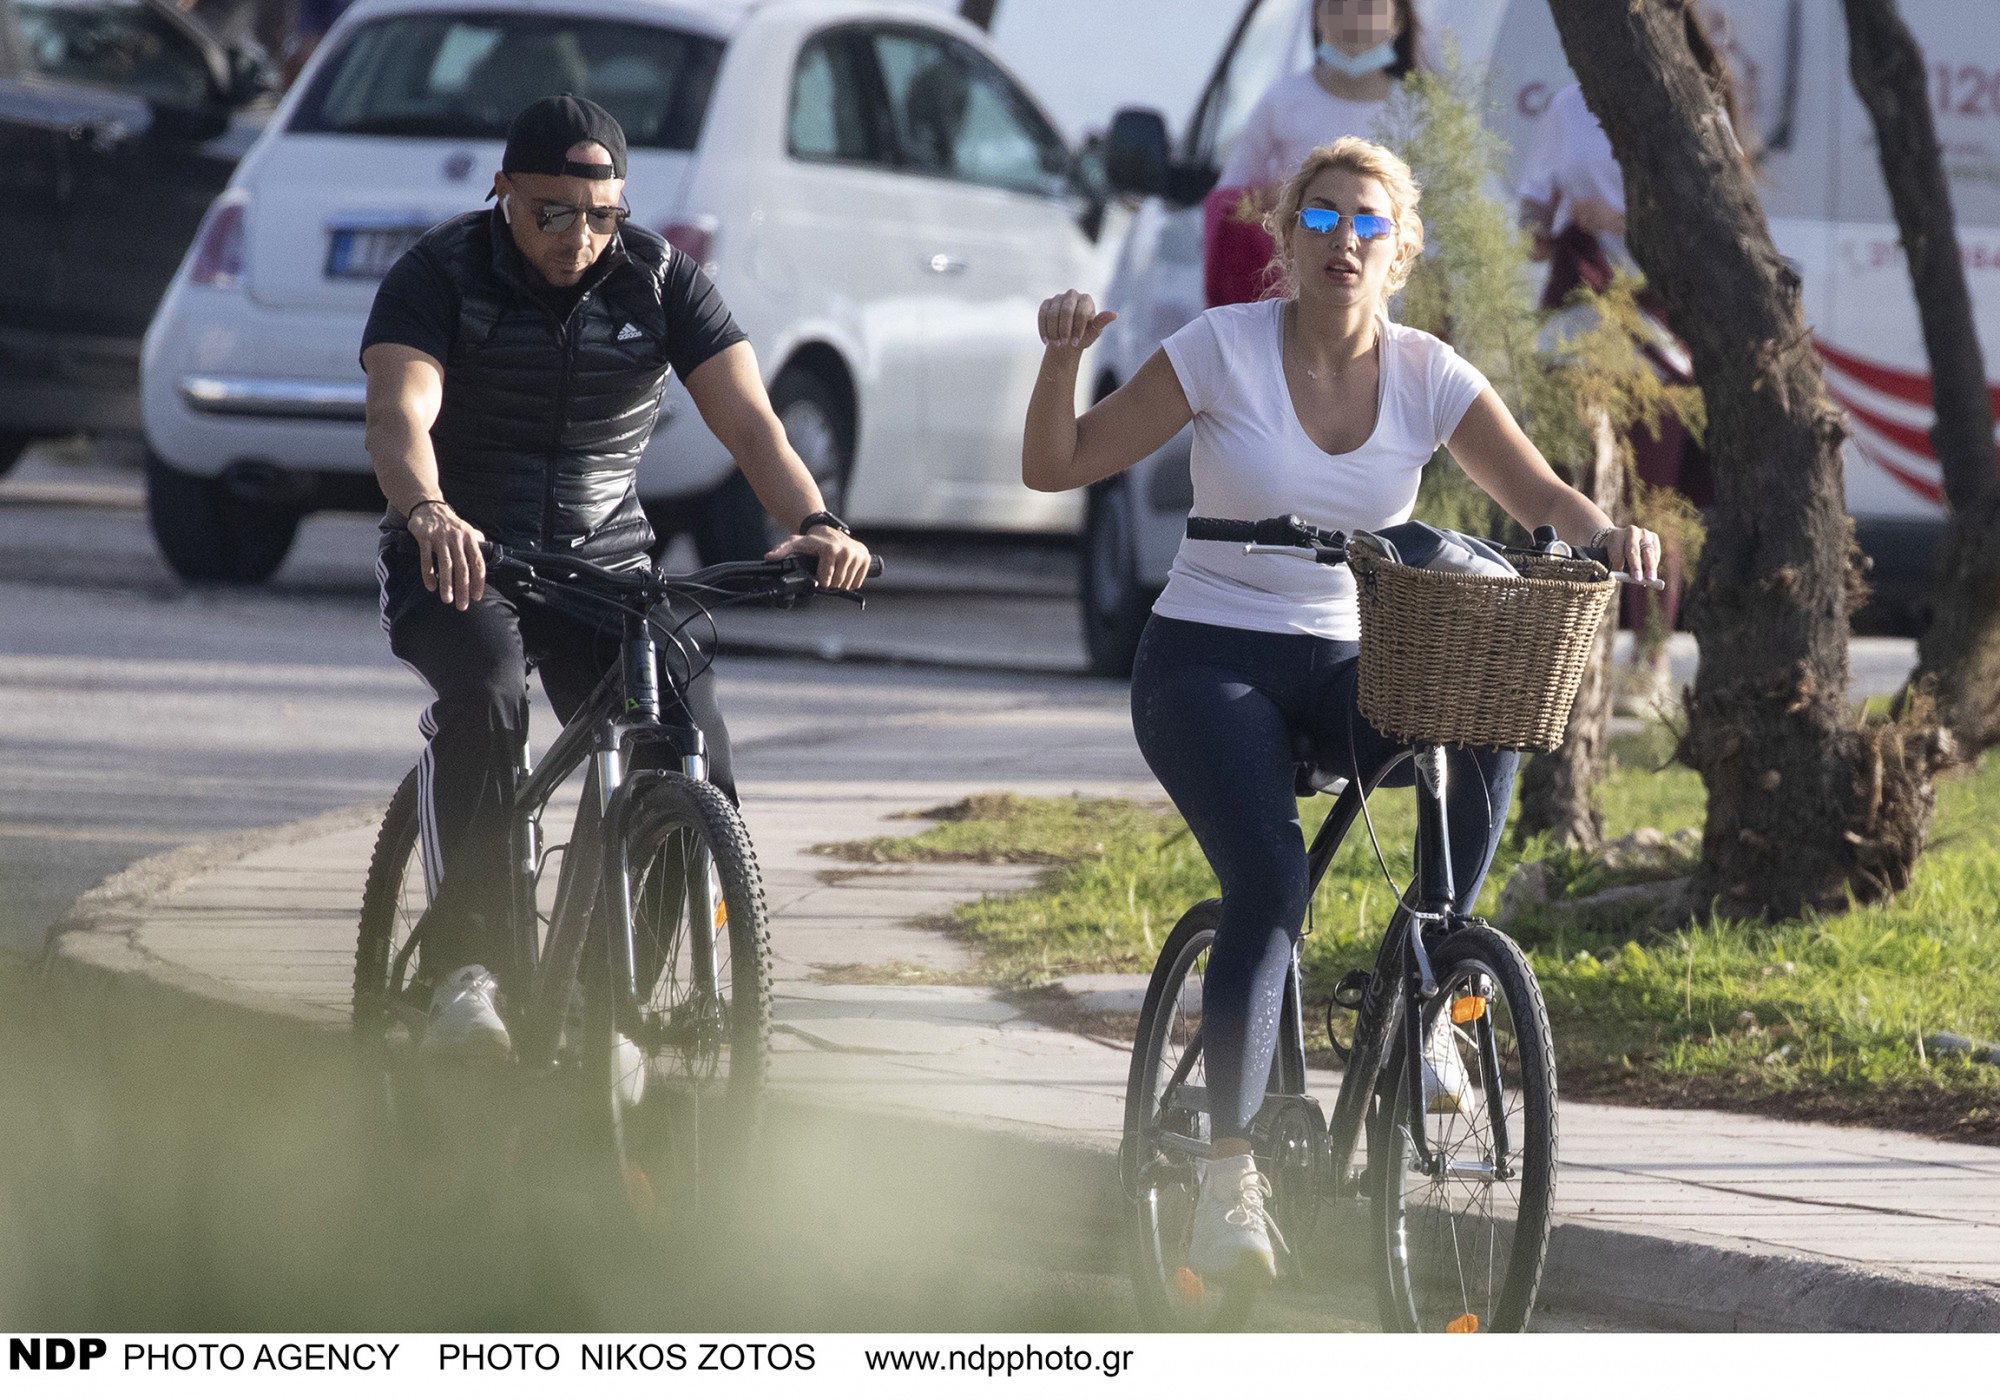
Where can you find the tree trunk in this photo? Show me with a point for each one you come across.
(1960, 654)
(979, 12)
(1805, 803)
(1559, 790)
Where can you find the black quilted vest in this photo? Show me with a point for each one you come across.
(543, 422)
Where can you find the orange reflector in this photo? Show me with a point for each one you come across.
(639, 1192)
(1189, 1285)
(721, 912)
(1465, 1322)
(1465, 1009)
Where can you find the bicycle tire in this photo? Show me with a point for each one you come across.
(1465, 1252)
(1159, 1178)
(390, 907)
(683, 1103)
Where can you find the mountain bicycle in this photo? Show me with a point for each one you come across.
(1459, 1186)
(644, 982)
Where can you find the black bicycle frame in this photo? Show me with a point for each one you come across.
(621, 716)
(1402, 966)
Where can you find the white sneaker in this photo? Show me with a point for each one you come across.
(464, 1021)
(1447, 1087)
(1232, 1228)
(628, 1071)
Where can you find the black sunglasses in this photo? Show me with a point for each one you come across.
(560, 218)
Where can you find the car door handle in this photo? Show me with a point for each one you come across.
(945, 264)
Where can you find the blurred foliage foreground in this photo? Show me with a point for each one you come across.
(168, 1167)
(1881, 1014)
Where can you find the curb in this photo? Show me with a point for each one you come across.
(1042, 1191)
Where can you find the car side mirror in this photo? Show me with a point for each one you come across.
(250, 74)
(1137, 154)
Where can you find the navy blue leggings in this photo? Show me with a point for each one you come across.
(1221, 714)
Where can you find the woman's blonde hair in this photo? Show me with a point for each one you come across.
(1366, 159)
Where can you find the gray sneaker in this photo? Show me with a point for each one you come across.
(464, 1022)
(1232, 1228)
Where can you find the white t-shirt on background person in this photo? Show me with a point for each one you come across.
(1252, 460)
(1293, 118)
(1570, 159)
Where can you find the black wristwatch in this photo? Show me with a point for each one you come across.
(825, 517)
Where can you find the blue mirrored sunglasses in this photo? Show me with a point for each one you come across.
(1365, 225)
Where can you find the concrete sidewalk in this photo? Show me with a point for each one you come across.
(1680, 1219)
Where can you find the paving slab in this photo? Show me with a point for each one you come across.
(1687, 1218)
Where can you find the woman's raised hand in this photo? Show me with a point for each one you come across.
(1071, 321)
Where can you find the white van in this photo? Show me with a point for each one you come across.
(1822, 191)
(881, 203)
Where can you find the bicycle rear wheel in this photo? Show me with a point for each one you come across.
(1166, 1136)
(1463, 1244)
(683, 1081)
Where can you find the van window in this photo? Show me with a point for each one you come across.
(465, 75)
(832, 117)
(1269, 45)
(958, 116)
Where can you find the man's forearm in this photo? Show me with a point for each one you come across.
(781, 480)
(405, 466)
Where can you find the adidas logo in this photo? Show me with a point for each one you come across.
(629, 332)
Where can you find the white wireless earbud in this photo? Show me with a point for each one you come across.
(505, 212)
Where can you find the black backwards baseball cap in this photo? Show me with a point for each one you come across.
(539, 140)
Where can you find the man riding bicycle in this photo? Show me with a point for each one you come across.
(516, 359)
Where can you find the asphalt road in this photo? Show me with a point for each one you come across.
(140, 714)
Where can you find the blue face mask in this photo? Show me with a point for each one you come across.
(1356, 65)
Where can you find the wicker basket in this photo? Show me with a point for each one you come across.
(1469, 659)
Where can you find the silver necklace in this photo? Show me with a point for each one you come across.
(1312, 373)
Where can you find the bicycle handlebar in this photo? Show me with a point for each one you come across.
(785, 579)
(1287, 534)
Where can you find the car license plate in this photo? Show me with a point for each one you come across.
(365, 254)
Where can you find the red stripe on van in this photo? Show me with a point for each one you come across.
(1896, 383)
(1917, 440)
(1929, 490)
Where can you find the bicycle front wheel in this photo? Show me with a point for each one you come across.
(1464, 1236)
(388, 1003)
(1166, 1136)
(682, 1072)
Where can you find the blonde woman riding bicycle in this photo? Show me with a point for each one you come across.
(1312, 403)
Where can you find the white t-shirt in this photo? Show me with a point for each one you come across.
(1252, 460)
(1291, 119)
(1570, 159)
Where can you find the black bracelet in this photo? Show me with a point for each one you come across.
(426, 501)
(825, 517)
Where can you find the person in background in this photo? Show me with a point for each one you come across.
(314, 19)
(1573, 208)
(1362, 51)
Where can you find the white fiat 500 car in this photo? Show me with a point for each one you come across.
(880, 202)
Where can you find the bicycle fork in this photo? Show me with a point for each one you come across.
(1437, 904)
(642, 721)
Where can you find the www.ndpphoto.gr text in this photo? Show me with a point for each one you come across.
(1001, 1361)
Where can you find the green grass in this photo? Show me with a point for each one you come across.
(1822, 1017)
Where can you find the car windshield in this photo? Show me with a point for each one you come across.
(464, 76)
